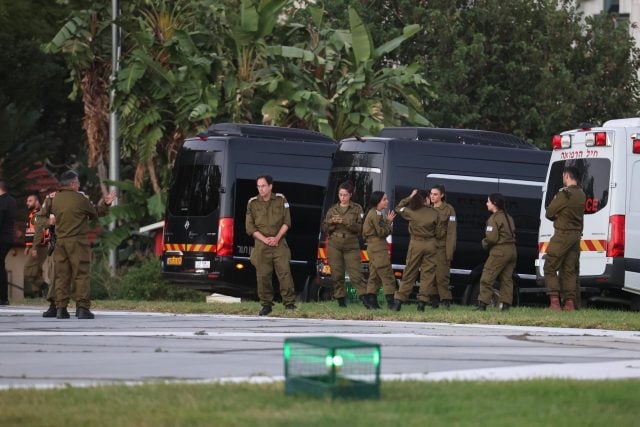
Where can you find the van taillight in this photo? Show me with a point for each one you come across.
(615, 245)
(636, 146)
(556, 142)
(225, 237)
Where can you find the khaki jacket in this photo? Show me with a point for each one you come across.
(376, 227)
(73, 211)
(500, 229)
(566, 210)
(423, 223)
(447, 228)
(351, 220)
(267, 217)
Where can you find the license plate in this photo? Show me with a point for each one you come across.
(203, 264)
(174, 260)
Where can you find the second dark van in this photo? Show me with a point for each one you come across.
(205, 243)
(471, 164)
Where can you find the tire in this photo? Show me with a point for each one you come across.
(635, 302)
(471, 293)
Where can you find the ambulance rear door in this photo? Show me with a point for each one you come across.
(632, 226)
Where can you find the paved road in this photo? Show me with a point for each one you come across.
(133, 347)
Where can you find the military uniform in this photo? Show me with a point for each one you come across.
(566, 210)
(423, 228)
(445, 247)
(72, 255)
(267, 217)
(33, 277)
(343, 248)
(500, 240)
(375, 230)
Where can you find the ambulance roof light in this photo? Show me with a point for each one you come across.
(601, 139)
(556, 142)
(566, 141)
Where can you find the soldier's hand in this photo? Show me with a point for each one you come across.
(26, 250)
(391, 215)
(109, 198)
(414, 192)
(34, 252)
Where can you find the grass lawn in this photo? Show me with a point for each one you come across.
(527, 403)
(524, 316)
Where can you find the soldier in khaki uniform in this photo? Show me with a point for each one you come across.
(438, 290)
(566, 210)
(423, 228)
(500, 241)
(268, 219)
(375, 230)
(343, 223)
(33, 277)
(72, 255)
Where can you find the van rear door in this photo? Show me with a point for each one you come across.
(632, 226)
(594, 164)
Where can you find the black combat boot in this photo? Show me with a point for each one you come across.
(290, 307)
(365, 301)
(389, 299)
(421, 306)
(481, 306)
(342, 302)
(62, 313)
(434, 301)
(84, 313)
(446, 303)
(266, 309)
(51, 311)
(505, 307)
(373, 301)
(396, 306)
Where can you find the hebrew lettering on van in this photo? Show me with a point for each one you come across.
(244, 250)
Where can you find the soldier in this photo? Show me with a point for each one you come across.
(566, 210)
(423, 227)
(72, 255)
(33, 279)
(500, 241)
(48, 269)
(7, 236)
(375, 230)
(438, 290)
(343, 224)
(268, 219)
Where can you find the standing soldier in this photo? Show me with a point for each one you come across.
(343, 223)
(72, 255)
(423, 226)
(268, 219)
(375, 230)
(566, 210)
(33, 280)
(7, 236)
(500, 240)
(438, 290)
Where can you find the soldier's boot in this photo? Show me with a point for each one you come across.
(373, 301)
(365, 302)
(569, 305)
(84, 313)
(481, 306)
(266, 309)
(51, 311)
(421, 306)
(342, 302)
(62, 313)
(396, 306)
(554, 303)
(389, 299)
(290, 306)
(446, 303)
(504, 306)
(434, 301)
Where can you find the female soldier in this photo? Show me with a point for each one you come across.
(423, 225)
(446, 246)
(500, 241)
(343, 223)
(375, 230)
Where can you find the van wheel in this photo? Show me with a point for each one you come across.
(635, 302)
(470, 296)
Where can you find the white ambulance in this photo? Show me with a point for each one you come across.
(608, 158)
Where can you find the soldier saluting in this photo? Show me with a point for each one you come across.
(566, 210)
(268, 219)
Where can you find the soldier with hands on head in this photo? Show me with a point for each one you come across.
(267, 221)
(500, 241)
(72, 255)
(376, 228)
(438, 290)
(423, 229)
(343, 224)
(566, 210)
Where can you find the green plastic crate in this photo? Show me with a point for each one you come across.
(332, 367)
(352, 297)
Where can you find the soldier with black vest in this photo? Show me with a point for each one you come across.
(423, 228)
(343, 224)
(500, 238)
(267, 221)
(566, 210)
(376, 228)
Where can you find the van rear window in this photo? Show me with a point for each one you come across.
(195, 184)
(595, 181)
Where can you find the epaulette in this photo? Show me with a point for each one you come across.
(253, 198)
(51, 195)
(280, 195)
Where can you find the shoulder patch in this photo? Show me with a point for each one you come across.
(402, 209)
(489, 228)
(379, 213)
(452, 218)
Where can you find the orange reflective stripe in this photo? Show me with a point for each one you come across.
(189, 247)
(364, 256)
(585, 246)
